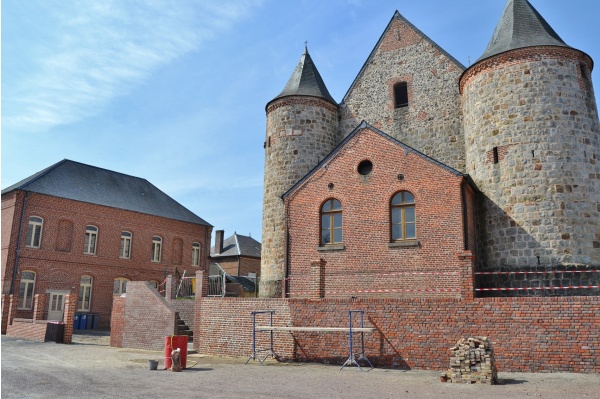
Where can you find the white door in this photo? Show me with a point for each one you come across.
(57, 306)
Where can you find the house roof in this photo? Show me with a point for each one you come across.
(365, 125)
(80, 182)
(399, 17)
(521, 26)
(305, 81)
(238, 245)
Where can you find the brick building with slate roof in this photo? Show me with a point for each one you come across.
(520, 125)
(76, 228)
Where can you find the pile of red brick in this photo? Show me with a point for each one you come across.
(471, 361)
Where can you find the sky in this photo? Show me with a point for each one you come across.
(174, 91)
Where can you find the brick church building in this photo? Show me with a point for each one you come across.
(78, 229)
(425, 159)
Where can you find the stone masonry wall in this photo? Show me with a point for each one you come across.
(533, 109)
(301, 131)
(432, 122)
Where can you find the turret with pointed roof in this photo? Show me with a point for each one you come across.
(531, 129)
(302, 124)
(305, 81)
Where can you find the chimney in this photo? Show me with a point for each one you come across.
(219, 241)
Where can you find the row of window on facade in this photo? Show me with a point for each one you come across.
(27, 290)
(403, 221)
(34, 238)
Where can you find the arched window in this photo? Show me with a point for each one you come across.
(125, 251)
(120, 286)
(331, 222)
(91, 237)
(26, 290)
(34, 232)
(196, 254)
(85, 294)
(403, 217)
(156, 248)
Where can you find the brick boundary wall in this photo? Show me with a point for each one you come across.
(35, 328)
(560, 334)
(147, 318)
(117, 322)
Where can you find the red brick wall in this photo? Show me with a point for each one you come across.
(60, 270)
(367, 266)
(34, 330)
(559, 334)
(148, 318)
(117, 322)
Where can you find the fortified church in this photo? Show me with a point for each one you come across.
(426, 163)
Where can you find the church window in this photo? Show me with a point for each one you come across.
(365, 167)
(403, 217)
(331, 222)
(401, 95)
(34, 232)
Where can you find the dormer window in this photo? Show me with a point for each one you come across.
(401, 95)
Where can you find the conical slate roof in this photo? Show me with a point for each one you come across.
(306, 81)
(521, 26)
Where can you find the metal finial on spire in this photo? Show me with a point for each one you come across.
(306, 46)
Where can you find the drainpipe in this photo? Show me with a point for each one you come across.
(16, 267)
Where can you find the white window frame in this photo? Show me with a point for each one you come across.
(122, 286)
(85, 293)
(156, 249)
(125, 250)
(34, 230)
(91, 240)
(26, 299)
(196, 251)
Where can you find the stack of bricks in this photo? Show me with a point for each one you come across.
(472, 361)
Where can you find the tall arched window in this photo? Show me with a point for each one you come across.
(403, 217)
(91, 237)
(85, 294)
(26, 290)
(125, 251)
(34, 232)
(196, 254)
(156, 248)
(331, 222)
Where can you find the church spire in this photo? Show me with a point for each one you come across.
(521, 26)
(306, 81)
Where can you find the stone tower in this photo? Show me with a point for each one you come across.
(532, 141)
(302, 124)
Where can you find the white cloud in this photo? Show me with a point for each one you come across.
(97, 50)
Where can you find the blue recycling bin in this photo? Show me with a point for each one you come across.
(76, 322)
(83, 321)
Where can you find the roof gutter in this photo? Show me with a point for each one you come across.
(16, 266)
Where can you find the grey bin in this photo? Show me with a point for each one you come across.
(92, 321)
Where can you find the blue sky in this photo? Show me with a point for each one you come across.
(174, 91)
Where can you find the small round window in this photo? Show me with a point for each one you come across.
(365, 167)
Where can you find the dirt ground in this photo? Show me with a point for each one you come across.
(90, 368)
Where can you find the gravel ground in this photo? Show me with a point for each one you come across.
(90, 368)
